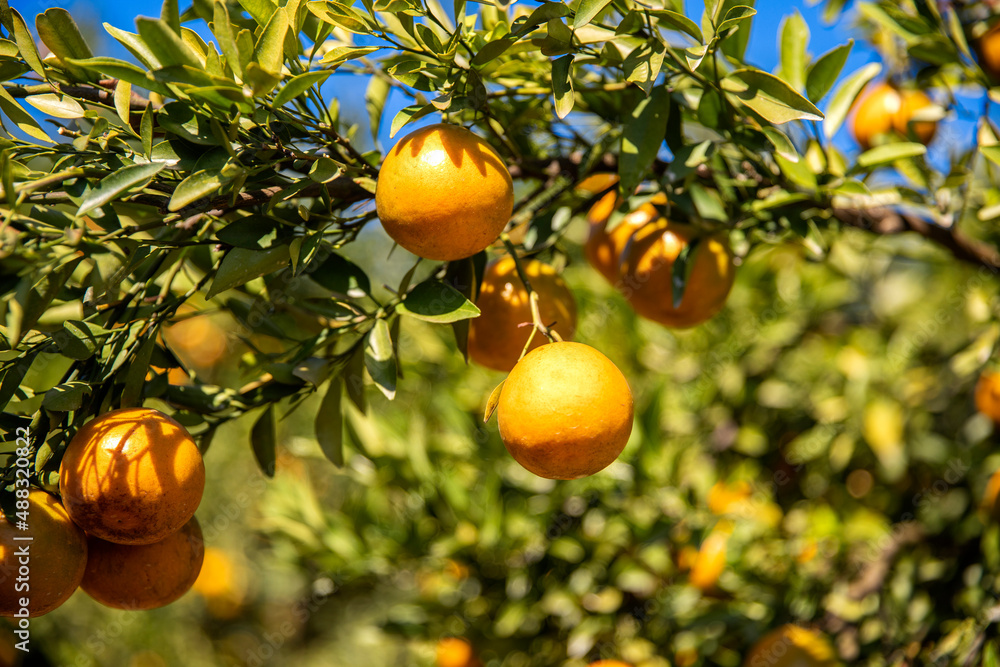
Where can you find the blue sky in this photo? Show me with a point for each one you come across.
(762, 50)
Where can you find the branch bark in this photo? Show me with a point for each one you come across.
(99, 94)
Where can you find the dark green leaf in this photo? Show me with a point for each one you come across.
(254, 232)
(79, 340)
(298, 85)
(119, 69)
(408, 114)
(354, 379)
(375, 96)
(12, 377)
(824, 72)
(65, 397)
(263, 440)
(330, 423)
(341, 276)
(136, 377)
(642, 138)
(492, 50)
(435, 301)
(241, 265)
(110, 187)
(146, 130)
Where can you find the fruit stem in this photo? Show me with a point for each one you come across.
(536, 317)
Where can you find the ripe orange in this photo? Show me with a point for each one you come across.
(648, 268)
(885, 109)
(603, 248)
(496, 338)
(443, 193)
(711, 559)
(144, 576)
(221, 583)
(609, 663)
(598, 182)
(57, 556)
(131, 476)
(988, 50)
(456, 652)
(991, 495)
(791, 646)
(198, 341)
(727, 498)
(988, 395)
(565, 411)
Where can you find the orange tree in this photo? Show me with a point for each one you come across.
(214, 172)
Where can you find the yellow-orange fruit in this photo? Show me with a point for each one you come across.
(144, 576)
(565, 411)
(791, 646)
(131, 476)
(443, 193)
(711, 560)
(596, 183)
(647, 274)
(987, 395)
(988, 50)
(991, 495)
(198, 341)
(496, 338)
(48, 568)
(604, 248)
(609, 663)
(725, 498)
(456, 652)
(221, 584)
(885, 109)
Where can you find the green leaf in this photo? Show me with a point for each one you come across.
(80, 340)
(241, 265)
(199, 184)
(681, 271)
(261, 81)
(341, 54)
(375, 96)
(354, 379)
(992, 153)
(562, 84)
(845, 95)
(769, 96)
(170, 14)
(642, 138)
(587, 10)
(254, 232)
(492, 50)
(260, 10)
(888, 153)
(824, 72)
(341, 276)
(330, 423)
(543, 13)
(735, 45)
(379, 359)
(794, 40)
(222, 28)
(492, 402)
(269, 52)
(438, 302)
(66, 397)
(408, 114)
(734, 17)
(643, 64)
(135, 45)
(146, 131)
(679, 22)
(57, 106)
(340, 15)
(166, 45)
(58, 31)
(782, 144)
(120, 69)
(113, 185)
(26, 44)
(263, 440)
(136, 377)
(298, 85)
(21, 118)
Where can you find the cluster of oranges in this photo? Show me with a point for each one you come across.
(130, 482)
(565, 410)
(787, 646)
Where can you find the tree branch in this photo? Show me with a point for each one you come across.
(86, 92)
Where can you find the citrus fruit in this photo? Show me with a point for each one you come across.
(987, 395)
(728, 498)
(456, 652)
(885, 109)
(496, 338)
(221, 583)
(131, 476)
(711, 559)
(198, 341)
(609, 663)
(443, 193)
(791, 646)
(596, 183)
(53, 566)
(144, 576)
(565, 411)
(991, 495)
(647, 273)
(604, 248)
(988, 50)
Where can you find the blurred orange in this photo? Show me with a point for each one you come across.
(456, 652)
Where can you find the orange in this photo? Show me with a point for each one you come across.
(456, 652)
(791, 646)
(648, 268)
(131, 476)
(988, 395)
(989, 504)
(711, 559)
(596, 183)
(988, 50)
(496, 338)
(198, 341)
(885, 109)
(565, 411)
(144, 576)
(609, 663)
(221, 584)
(443, 193)
(726, 498)
(604, 248)
(56, 557)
